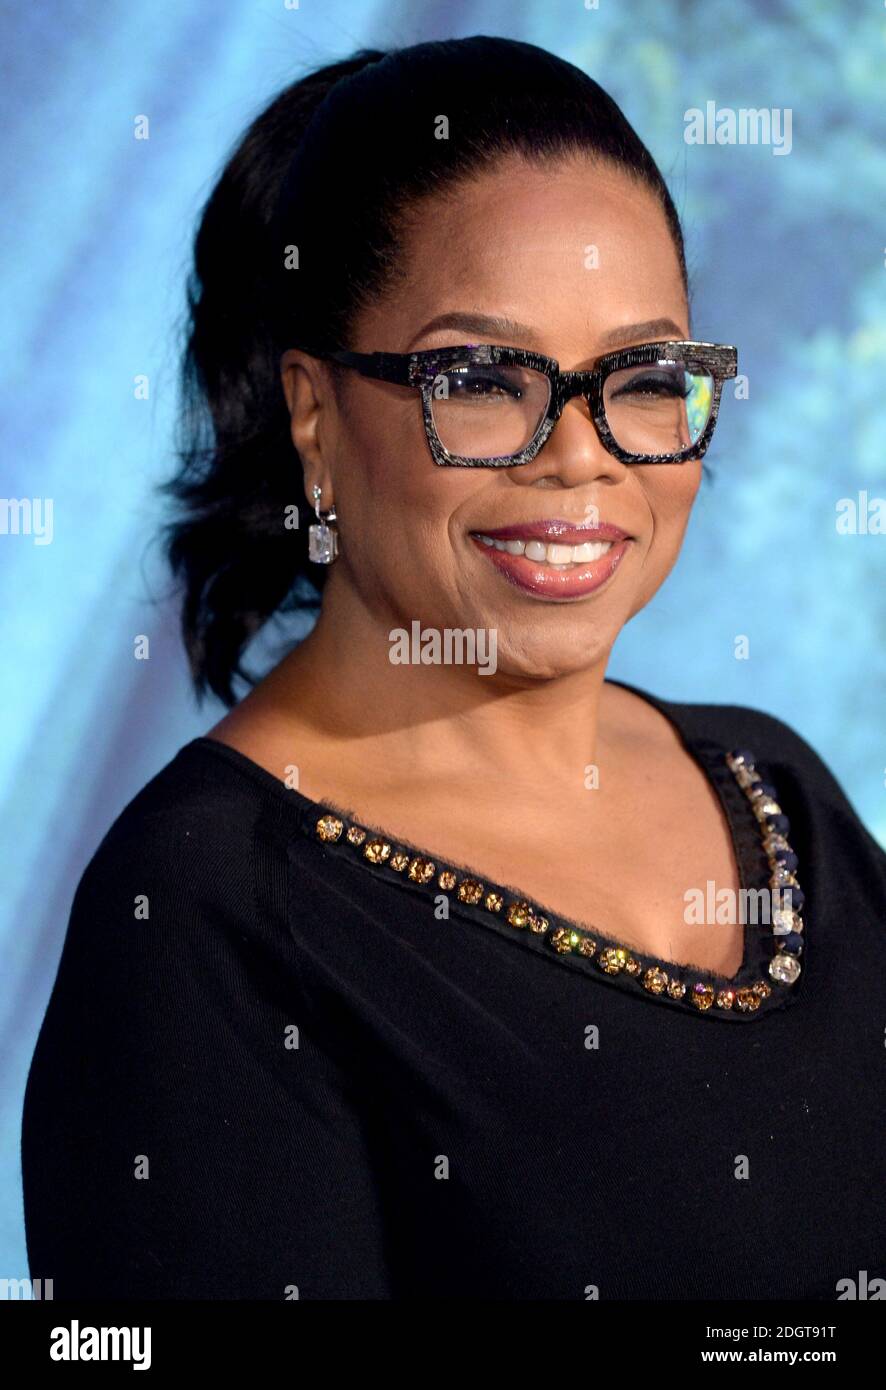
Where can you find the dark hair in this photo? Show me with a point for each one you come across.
(333, 167)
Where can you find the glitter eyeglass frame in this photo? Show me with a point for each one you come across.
(421, 370)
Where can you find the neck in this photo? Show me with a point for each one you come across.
(527, 732)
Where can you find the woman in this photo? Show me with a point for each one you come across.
(395, 984)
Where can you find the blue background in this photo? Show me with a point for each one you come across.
(788, 258)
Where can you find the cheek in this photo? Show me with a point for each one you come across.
(397, 501)
(669, 499)
(671, 496)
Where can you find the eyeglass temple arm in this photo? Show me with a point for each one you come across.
(385, 366)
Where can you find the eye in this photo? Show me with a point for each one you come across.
(482, 383)
(671, 381)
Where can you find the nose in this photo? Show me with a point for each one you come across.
(572, 455)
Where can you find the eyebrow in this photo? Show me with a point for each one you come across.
(491, 325)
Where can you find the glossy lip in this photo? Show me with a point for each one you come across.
(564, 532)
(543, 582)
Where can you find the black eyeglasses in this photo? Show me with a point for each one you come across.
(494, 407)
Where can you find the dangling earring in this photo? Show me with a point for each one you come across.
(322, 539)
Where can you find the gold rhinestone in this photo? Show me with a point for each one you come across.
(399, 860)
(446, 879)
(537, 923)
(612, 960)
(356, 835)
(702, 996)
(773, 842)
(470, 890)
(632, 967)
(747, 1000)
(494, 902)
(762, 988)
(420, 870)
(676, 989)
(725, 998)
(519, 914)
(377, 851)
(329, 827)
(587, 946)
(655, 980)
(562, 939)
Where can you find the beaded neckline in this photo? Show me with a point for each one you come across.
(767, 864)
(676, 983)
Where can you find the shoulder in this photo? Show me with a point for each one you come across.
(732, 727)
(777, 747)
(737, 727)
(804, 781)
(657, 719)
(192, 819)
(191, 854)
(774, 744)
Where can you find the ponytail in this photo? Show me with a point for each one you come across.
(235, 557)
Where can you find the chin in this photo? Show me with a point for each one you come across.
(545, 660)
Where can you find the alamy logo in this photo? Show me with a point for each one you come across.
(22, 516)
(861, 1288)
(449, 646)
(40, 1289)
(716, 907)
(76, 1343)
(861, 515)
(724, 125)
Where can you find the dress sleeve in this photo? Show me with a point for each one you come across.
(184, 1134)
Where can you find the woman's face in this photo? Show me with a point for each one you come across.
(513, 244)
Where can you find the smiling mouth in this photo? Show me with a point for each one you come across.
(553, 554)
(554, 559)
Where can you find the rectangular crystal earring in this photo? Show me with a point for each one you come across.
(322, 538)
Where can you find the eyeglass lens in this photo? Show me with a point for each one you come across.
(493, 410)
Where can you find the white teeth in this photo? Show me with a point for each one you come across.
(552, 554)
(560, 554)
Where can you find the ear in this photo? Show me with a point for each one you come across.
(307, 387)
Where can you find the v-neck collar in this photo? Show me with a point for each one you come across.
(505, 909)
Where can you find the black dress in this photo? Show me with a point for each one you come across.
(285, 1057)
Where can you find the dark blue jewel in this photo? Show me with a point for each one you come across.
(779, 825)
(743, 755)
(788, 858)
(767, 789)
(789, 897)
(792, 943)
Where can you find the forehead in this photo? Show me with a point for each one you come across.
(572, 248)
